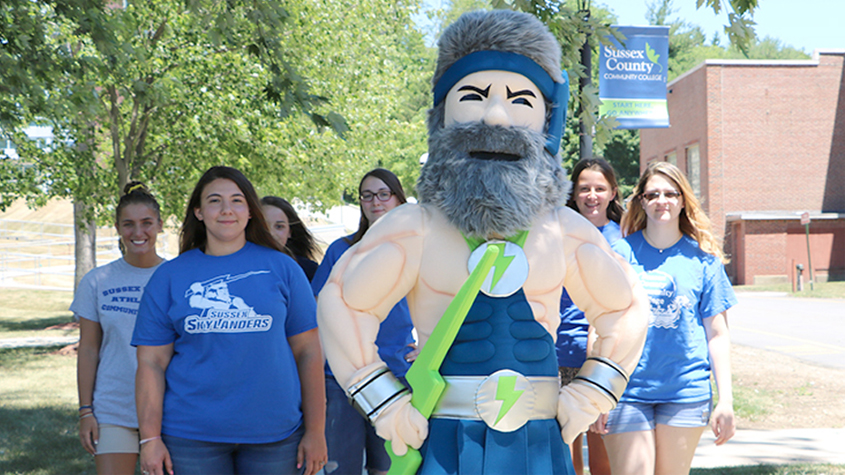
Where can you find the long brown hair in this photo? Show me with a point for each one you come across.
(692, 221)
(301, 242)
(392, 183)
(598, 164)
(193, 233)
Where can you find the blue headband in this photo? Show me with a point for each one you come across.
(555, 92)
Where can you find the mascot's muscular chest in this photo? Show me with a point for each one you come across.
(445, 269)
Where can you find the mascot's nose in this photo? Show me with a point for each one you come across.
(496, 113)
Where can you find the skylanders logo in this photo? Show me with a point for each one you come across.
(632, 64)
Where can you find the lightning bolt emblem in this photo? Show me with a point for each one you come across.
(507, 393)
(501, 264)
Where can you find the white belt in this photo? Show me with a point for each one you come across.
(505, 400)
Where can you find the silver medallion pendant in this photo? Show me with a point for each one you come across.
(509, 272)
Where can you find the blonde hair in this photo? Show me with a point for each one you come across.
(692, 221)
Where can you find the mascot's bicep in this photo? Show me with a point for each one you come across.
(604, 279)
(372, 275)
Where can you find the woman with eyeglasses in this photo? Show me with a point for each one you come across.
(668, 402)
(348, 433)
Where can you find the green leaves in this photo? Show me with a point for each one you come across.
(650, 53)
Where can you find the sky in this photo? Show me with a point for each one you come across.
(802, 24)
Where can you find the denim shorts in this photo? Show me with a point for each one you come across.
(637, 416)
(196, 457)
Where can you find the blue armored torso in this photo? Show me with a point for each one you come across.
(500, 335)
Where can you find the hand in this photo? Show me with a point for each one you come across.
(411, 356)
(722, 422)
(402, 425)
(577, 409)
(155, 458)
(312, 452)
(89, 434)
(600, 426)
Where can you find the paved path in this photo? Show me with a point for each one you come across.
(37, 341)
(805, 328)
(754, 447)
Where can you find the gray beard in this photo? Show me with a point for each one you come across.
(491, 198)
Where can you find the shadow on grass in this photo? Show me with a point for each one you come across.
(34, 324)
(16, 357)
(42, 441)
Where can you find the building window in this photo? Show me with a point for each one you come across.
(694, 169)
(672, 157)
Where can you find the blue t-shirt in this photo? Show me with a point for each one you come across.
(394, 335)
(685, 285)
(571, 342)
(232, 377)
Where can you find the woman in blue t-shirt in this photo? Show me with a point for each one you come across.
(229, 361)
(348, 433)
(595, 195)
(667, 404)
(290, 231)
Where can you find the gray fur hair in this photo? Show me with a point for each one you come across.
(489, 198)
(496, 30)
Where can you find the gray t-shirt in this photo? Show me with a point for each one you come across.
(110, 295)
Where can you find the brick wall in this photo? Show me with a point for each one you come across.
(771, 137)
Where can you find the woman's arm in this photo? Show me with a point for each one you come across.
(309, 363)
(87, 361)
(149, 398)
(719, 345)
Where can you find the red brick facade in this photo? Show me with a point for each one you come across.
(770, 137)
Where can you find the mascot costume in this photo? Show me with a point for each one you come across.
(493, 180)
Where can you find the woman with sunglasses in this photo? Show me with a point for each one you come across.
(667, 404)
(348, 433)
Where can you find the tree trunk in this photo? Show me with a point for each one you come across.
(585, 142)
(85, 242)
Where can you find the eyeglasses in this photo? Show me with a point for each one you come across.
(670, 195)
(383, 195)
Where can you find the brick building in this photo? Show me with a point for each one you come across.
(762, 142)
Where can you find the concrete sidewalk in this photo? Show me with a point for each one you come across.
(786, 446)
(36, 341)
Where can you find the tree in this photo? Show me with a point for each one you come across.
(375, 66)
(160, 90)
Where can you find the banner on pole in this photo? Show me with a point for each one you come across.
(632, 78)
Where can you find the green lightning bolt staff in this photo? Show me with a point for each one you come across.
(424, 375)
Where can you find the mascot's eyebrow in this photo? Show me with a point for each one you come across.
(524, 92)
(483, 92)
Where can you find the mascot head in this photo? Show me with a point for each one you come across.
(494, 131)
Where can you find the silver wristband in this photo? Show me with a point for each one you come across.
(373, 394)
(605, 375)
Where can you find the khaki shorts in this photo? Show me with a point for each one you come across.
(118, 440)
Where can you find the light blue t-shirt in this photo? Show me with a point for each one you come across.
(110, 295)
(394, 335)
(571, 345)
(685, 285)
(232, 377)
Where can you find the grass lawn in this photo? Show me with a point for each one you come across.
(26, 312)
(38, 431)
(821, 290)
